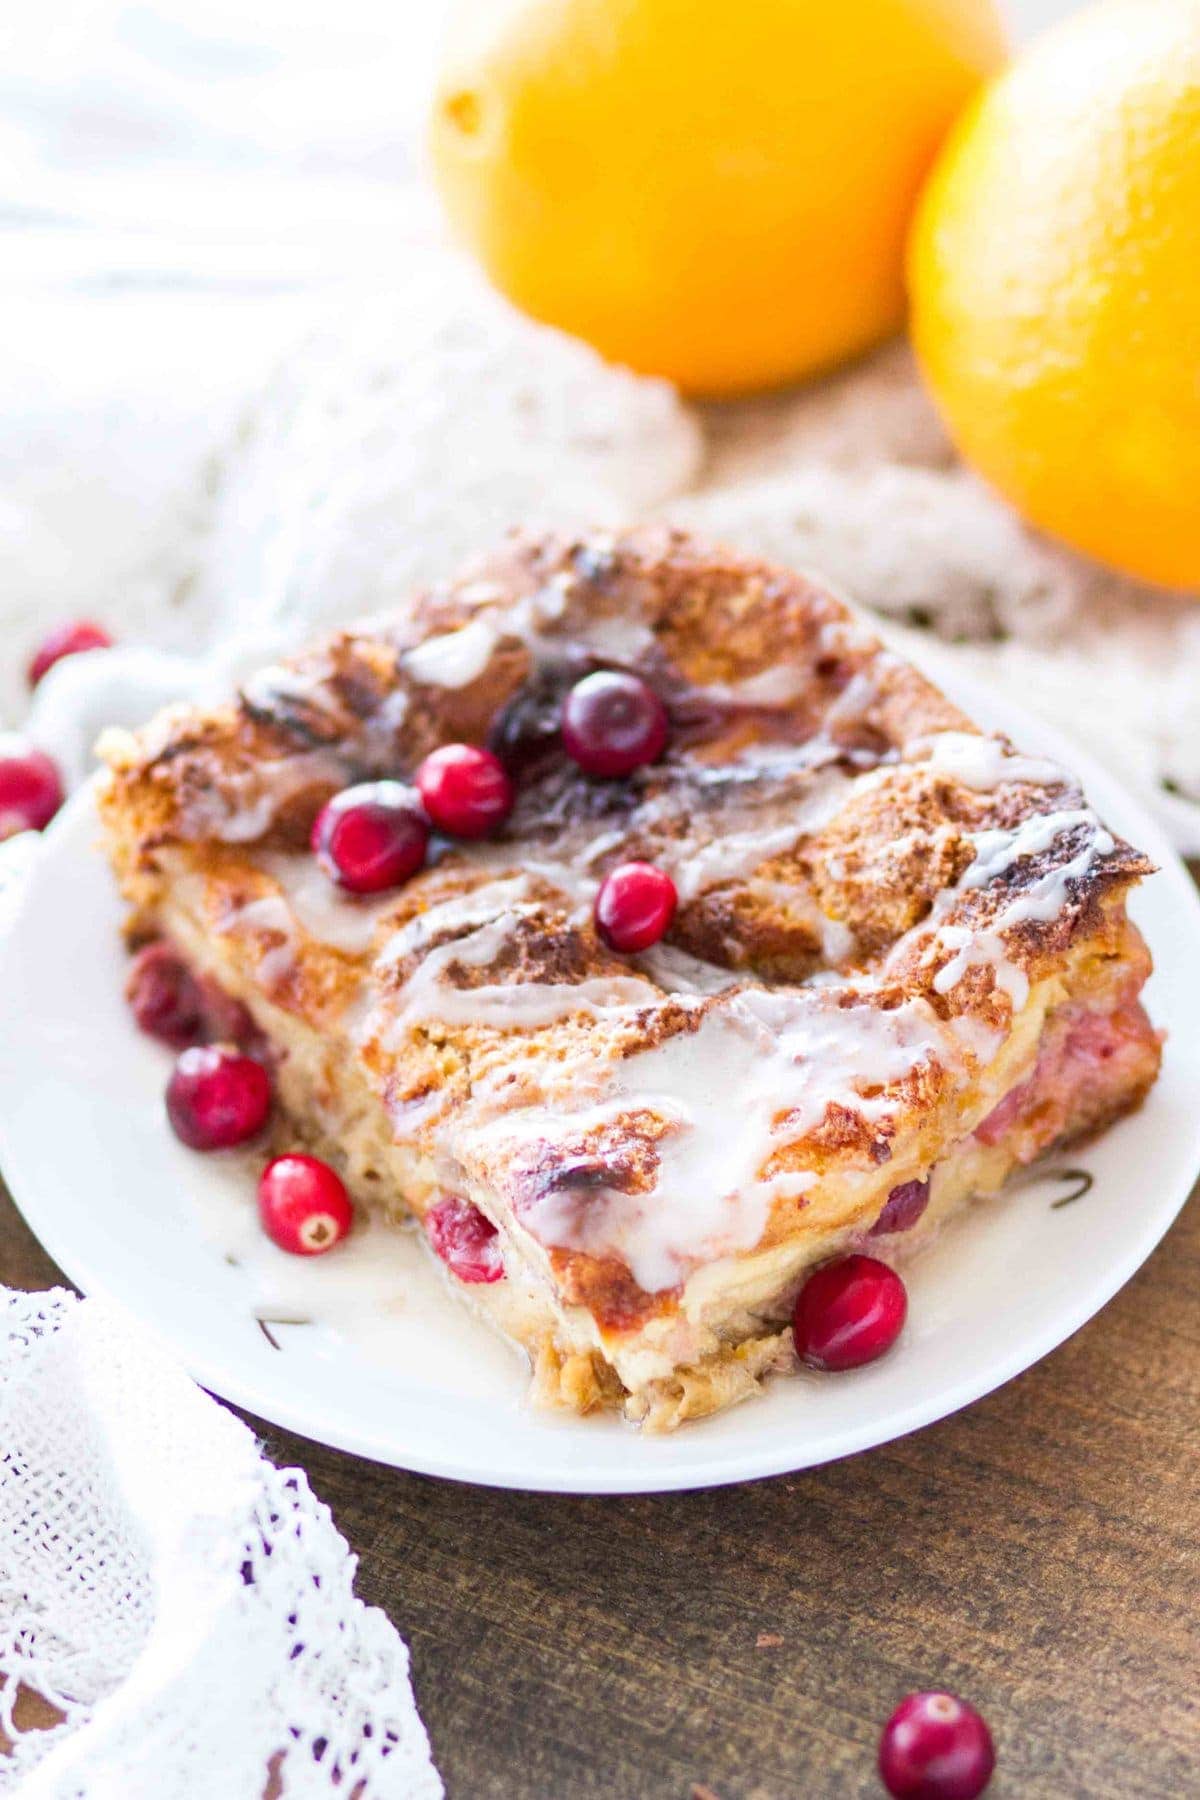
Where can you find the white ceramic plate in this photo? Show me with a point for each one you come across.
(130, 1214)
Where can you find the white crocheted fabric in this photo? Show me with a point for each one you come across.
(186, 1606)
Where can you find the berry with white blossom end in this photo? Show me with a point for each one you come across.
(935, 1747)
(303, 1205)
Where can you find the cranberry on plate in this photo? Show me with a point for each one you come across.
(372, 836)
(935, 1747)
(465, 790)
(635, 906)
(31, 789)
(303, 1204)
(613, 723)
(217, 1097)
(467, 1241)
(848, 1313)
(66, 640)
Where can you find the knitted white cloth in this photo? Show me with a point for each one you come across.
(187, 1607)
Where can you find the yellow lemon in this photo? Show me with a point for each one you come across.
(717, 191)
(1055, 273)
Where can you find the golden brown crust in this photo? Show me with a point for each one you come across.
(818, 810)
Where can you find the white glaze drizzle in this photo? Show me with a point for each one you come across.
(973, 949)
(984, 763)
(325, 911)
(453, 659)
(268, 914)
(737, 854)
(506, 1006)
(998, 849)
(783, 1058)
(259, 795)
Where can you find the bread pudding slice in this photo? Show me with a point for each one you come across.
(900, 966)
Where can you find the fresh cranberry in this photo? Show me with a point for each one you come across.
(165, 998)
(371, 837)
(171, 1003)
(635, 906)
(31, 789)
(465, 791)
(217, 1097)
(67, 640)
(613, 723)
(303, 1205)
(935, 1747)
(465, 1240)
(848, 1312)
(902, 1208)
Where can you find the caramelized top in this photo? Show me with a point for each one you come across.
(868, 888)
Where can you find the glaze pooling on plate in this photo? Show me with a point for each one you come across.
(901, 951)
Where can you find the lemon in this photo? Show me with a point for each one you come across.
(715, 191)
(1055, 273)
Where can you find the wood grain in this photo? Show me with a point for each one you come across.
(1038, 1553)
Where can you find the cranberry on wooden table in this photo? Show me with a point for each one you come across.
(217, 1097)
(371, 837)
(465, 1239)
(465, 790)
(303, 1204)
(635, 907)
(935, 1747)
(613, 723)
(848, 1312)
(31, 789)
(66, 640)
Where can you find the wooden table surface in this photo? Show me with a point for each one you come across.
(1038, 1553)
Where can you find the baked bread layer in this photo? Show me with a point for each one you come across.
(901, 951)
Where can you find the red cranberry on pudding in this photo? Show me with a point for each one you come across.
(178, 1007)
(31, 789)
(465, 790)
(635, 907)
(902, 1208)
(613, 723)
(935, 1747)
(217, 1097)
(465, 1239)
(371, 837)
(848, 1313)
(164, 997)
(66, 640)
(303, 1204)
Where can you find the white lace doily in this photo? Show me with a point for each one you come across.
(187, 1607)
